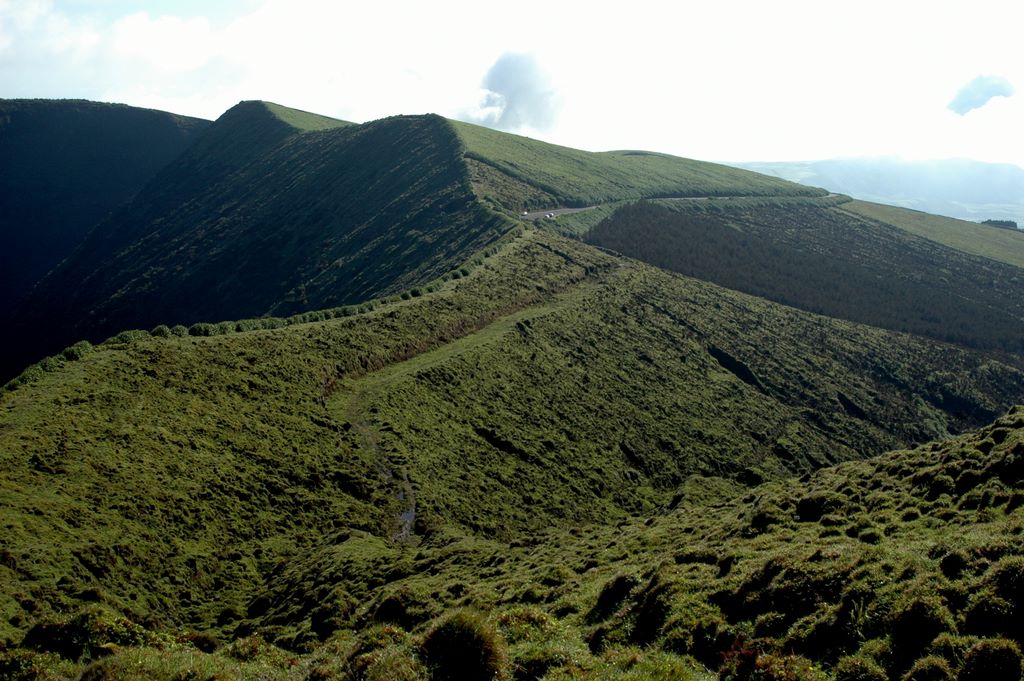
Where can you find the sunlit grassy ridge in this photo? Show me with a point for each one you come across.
(998, 244)
(277, 481)
(516, 173)
(304, 120)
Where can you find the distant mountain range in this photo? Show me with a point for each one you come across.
(959, 188)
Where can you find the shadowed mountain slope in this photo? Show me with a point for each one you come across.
(64, 166)
(833, 261)
(259, 216)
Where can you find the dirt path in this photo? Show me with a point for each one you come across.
(356, 397)
(555, 212)
(369, 438)
(537, 215)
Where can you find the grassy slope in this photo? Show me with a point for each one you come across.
(278, 221)
(64, 166)
(304, 120)
(878, 563)
(516, 173)
(174, 479)
(853, 567)
(998, 244)
(833, 262)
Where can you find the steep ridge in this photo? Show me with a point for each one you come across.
(174, 479)
(832, 261)
(260, 216)
(64, 166)
(514, 173)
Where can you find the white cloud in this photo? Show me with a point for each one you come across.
(517, 96)
(167, 44)
(978, 92)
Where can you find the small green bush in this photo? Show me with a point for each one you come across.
(613, 593)
(952, 648)
(160, 331)
(85, 635)
(130, 336)
(26, 665)
(812, 507)
(996, 659)
(930, 668)
(917, 623)
(464, 647)
(1007, 576)
(705, 636)
(394, 663)
(953, 564)
(77, 351)
(859, 668)
(256, 648)
(988, 615)
(752, 666)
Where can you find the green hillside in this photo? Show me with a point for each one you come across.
(64, 166)
(304, 120)
(381, 430)
(260, 217)
(834, 261)
(516, 173)
(970, 237)
(308, 481)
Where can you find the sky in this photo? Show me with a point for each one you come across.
(730, 80)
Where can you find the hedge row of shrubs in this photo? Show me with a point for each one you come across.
(82, 348)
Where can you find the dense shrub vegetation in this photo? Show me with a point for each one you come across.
(556, 438)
